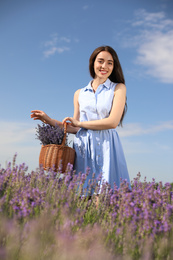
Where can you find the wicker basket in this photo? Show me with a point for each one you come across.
(54, 155)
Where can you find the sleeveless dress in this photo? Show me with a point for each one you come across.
(100, 150)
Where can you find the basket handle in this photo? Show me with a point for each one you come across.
(65, 132)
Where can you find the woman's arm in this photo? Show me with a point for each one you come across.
(70, 127)
(40, 115)
(115, 115)
(76, 114)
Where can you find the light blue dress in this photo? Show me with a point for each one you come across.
(100, 150)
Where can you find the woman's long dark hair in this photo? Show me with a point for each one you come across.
(116, 76)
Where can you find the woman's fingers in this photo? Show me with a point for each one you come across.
(35, 116)
(40, 115)
(73, 121)
(36, 111)
(66, 119)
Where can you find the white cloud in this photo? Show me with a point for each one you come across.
(56, 44)
(153, 38)
(55, 39)
(18, 137)
(65, 39)
(136, 129)
(53, 50)
(147, 152)
(85, 7)
(15, 132)
(156, 53)
(151, 20)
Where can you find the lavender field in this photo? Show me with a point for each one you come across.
(44, 216)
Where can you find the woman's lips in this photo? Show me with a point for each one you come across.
(103, 71)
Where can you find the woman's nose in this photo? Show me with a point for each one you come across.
(104, 65)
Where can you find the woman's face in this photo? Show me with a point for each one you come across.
(103, 65)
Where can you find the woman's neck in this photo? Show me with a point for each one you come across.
(96, 82)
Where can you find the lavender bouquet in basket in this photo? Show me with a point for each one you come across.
(55, 150)
(48, 134)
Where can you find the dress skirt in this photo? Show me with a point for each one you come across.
(102, 152)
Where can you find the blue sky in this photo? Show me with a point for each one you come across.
(45, 48)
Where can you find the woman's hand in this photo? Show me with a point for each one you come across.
(40, 115)
(74, 122)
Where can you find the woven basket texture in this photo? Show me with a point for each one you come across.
(55, 156)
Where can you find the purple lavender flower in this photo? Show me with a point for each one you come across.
(127, 219)
(48, 134)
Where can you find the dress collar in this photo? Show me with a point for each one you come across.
(106, 84)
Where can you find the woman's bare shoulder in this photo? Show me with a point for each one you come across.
(76, 94)
(120, 87)
(77, 91)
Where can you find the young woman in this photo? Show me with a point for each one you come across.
(98, 109)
